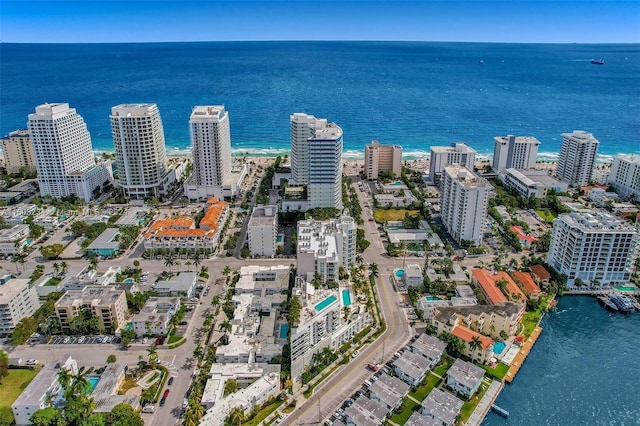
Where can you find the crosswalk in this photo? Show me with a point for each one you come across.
(173, 370)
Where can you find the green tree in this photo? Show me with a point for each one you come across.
(124, 415)
(111, 359)
(235, 418)
(47, 417)
(52, 251)
(475, 344)
(79, 228)
(4, 365)
(169, 262)
(374, 270)
(153, 354)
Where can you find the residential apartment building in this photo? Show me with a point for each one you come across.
(514, 152)
(593, 247)
(64, 156)
(485, 319)
(388, 391)
(625, 176)
(180, 233)
(411, 367)
(382, 158)
(531, 183)
(17, 151)
(138, 138)
(577, 156)
(105, 303)
(43, 391)
(262, 231)
(463, 203)
(442, 407)
(155, 316)
(316, 159)
(464, 378)
(442, 156)
(324, 247)
(13, 239)
(17, 300)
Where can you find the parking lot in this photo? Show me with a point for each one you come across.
(84, 340)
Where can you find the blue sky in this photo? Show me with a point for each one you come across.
(545, 21)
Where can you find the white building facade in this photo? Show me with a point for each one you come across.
(382, 158)
(442, 156)
(517, 152)
(63, 153)
(138, 138)
(625, 176)
(577, 156)
(593, 247)
(263, 231)
(464, 202)
(17, 151)
(17, 300)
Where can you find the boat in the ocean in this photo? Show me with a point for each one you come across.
(622, 302)
(607, 303)
(597, 61)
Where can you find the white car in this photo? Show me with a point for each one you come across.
(145, 340)
(31, 362)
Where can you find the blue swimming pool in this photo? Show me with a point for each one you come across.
(400, 273)
(279, 239)
(498, 347)
(396, 183)
(93, 382)
(128, 280)
(432, 298)
(326, 302)
(346, 297)
(284, 330)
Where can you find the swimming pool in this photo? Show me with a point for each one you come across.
(346, 298)
(128, 326)
(396, 183)
(326, 302)
(284, 330)
(626, 288)
(93, 382)
(128, 280)
(399, 273)
(279, 239)
(498, 347)
(432, 298)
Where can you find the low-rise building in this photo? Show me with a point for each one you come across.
(388, 391)
(484, 350)
(365, 412)
(464, 378)
(12, 240)
(526, 281)
(413, 275)
(442, 407)
(262, 231)
(106, 245)
(17, 300)
(179, 284)
(105, 394)
(107, 305)
(531, 183)
(540, 275)
(429, 347)
(43, 391)
(490, 285)
(411, 368)
(417, 419)
(526, 241)
(400, 199)
(155, 316)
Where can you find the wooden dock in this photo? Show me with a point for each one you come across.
(522, 354)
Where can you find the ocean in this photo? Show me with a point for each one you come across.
(410, 93)
(583, 370)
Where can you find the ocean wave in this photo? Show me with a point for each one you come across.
(260, 152)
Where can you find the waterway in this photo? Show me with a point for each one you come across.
(583, 370)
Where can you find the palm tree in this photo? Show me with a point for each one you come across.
(153, 354)
(346, 311)
(93, 262)
(169, 262)
(225, 326)
(56, 267)
(475, 344)
(374, 270)
(236, 417)
(197, 260)
(64, 267)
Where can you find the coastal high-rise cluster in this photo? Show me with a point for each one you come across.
(577, 156)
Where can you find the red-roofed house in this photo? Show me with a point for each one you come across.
(481, 354)
(487, 284)
(511, 287)
(540, 275)
(525, 240)
(526, 281)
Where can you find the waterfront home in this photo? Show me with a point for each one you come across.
(365, 412)
(540, 275)
(442, 407)
(490, 285)
(526, 281)
(411, 368)
(417, 419)
(481, 353)
(464, 378)
(429, 347)
(388, 391)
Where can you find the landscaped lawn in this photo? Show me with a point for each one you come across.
(443, 366)
(424, 389)
(547, 215)
(381, 215)
(498, 372)
(409, 407)
(262, 414)
(469, 406)
(12, 386)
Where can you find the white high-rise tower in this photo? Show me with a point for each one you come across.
(211, 143)
(577, 156)
(63, 153)
(316, 159)
(138, 138)
(511, 152)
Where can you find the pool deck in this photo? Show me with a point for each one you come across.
(522, 355)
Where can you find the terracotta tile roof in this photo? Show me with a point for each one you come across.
(526, 280)
(467, 335)
(486, 281)
(521, 235)
(161, 225)
(540, 272)
(214, 211)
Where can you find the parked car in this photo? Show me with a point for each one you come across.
(170, 382)
(162, 401)
(31, 362)
(166, 393)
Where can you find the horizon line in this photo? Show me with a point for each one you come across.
(325, 41)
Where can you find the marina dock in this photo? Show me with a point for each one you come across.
(522, 355)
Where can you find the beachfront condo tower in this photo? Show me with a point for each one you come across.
(63, 153)
(442, 156)
(211, 144)
(577, 156)
(138, 138)
(514, 152)
(464, 202)
(596, 248)
(316, 159)
(382, 158)
(17, 151)
(625, 176)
